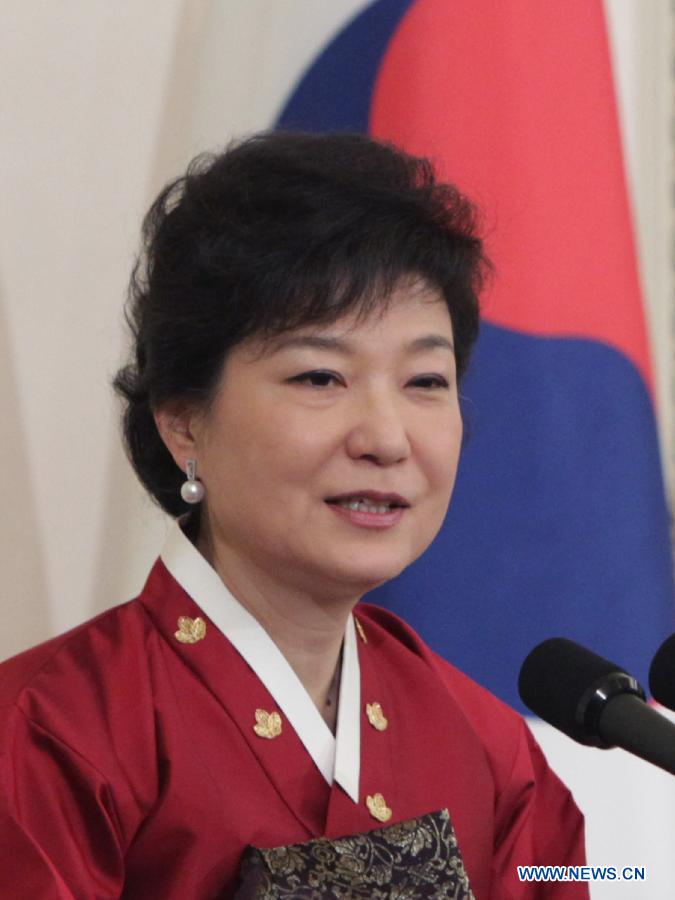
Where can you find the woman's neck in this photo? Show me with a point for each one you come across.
(309, 631)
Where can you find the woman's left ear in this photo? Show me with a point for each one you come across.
(175, 425)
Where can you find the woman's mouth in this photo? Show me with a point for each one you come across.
(369, 511)
(364, 506)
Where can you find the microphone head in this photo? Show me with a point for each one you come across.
(568, 687)
(662, 674)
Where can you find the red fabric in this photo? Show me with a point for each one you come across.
(130, 767)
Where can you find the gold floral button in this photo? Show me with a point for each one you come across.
(190, 630)
(376, 717)
(378, 808)
(267, 725)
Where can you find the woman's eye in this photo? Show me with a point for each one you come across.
(317, 379)
(429, 382)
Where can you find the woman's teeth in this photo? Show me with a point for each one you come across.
(365, 506)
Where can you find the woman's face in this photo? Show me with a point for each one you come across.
(329, 456)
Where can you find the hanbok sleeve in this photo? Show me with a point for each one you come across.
(537, 824)
(60, 838)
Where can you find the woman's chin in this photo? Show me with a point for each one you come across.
(366, 575)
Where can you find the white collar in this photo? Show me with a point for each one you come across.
(337, 758)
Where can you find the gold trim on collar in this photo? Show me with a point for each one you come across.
(359, 628)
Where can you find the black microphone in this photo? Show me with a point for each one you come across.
(662, 673)
(594, 702)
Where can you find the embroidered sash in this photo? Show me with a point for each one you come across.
(414, 859)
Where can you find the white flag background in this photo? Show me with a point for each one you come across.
(100, 104)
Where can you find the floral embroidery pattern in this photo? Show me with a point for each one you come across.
(418, 858)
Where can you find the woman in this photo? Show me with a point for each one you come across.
(302, 314)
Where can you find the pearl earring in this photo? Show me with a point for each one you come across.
(192, 491)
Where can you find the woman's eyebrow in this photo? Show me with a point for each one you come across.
(430, 342)
(315, 341)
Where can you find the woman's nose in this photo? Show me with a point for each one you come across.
(379, 433)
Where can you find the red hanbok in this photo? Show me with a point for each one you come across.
(131, 767)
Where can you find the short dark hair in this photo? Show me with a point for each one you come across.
(279, 231)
